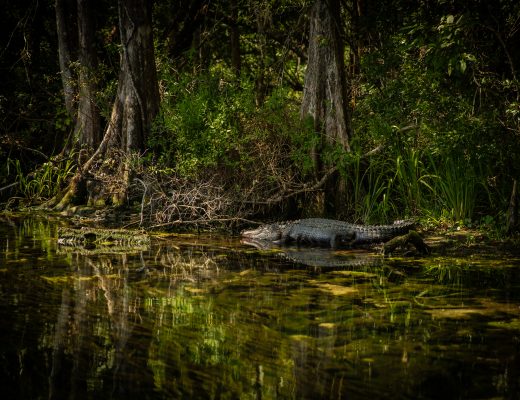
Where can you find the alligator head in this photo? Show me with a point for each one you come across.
(270, 232)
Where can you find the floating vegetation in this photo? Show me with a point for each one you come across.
(59, 280)
(513, 324)
(336, 290)
(456, 313)
(327, 325)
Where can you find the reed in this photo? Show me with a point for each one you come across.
(370, 190)
(412, 182)
(44, 182)
(455, 187)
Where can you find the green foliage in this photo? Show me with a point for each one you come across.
(444, 45)
(440, 147)
(438, 94)
(62, 120)
(413, 181)
(376, 205)
(208, 122)
(198, 124)
(455, 189)
(46, 181)
(370, 189)
(304, 142)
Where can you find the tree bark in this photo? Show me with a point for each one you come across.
(234, 36)
(88, 126)
(325, 95)
(65, 39)
(512, 211)
(185, 25)
(262, 20)
(136, 102)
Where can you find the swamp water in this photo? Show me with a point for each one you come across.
(198, 317)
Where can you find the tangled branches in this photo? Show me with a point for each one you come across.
(258, 179)
(167, 200)
(261, 184)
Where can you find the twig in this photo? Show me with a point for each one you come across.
(202, 221)
(143, 198)
(9, 186)
(305, 189)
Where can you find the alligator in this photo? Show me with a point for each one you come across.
(327, 232)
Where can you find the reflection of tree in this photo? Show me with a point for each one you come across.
(116, 292)
(99, 322)
(202, 346)
(93, 329)
(56, 380)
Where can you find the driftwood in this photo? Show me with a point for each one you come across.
(403, 241)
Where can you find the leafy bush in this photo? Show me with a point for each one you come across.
(206, 121)
(424, 115)
(198, 123)
(212, 129)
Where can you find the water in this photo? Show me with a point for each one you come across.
(207, 317)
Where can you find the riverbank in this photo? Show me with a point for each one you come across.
(442, 240)
(465, 242)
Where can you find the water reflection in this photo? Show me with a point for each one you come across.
(207, 317)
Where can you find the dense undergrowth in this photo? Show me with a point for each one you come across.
(435, 134)
(210, 130)
(215, 155)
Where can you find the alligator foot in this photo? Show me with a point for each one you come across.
(403, 241)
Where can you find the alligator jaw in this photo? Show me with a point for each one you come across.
(269, 232)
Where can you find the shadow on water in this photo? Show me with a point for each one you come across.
(209, 317)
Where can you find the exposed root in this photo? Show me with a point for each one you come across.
(265, 181)
(403, 241)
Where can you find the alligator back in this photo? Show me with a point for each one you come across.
(366, 234)
(319, 231)
(336, 233)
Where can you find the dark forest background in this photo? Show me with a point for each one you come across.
(214, 111)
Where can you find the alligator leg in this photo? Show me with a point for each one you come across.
(412, 238)
(344, 240)
(334, 241)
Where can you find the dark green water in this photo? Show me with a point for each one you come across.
(211, 318)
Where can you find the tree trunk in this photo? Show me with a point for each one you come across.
(355, 39)
(512, 211)
(325, 94)
(65, 40)
(135, 105)
(262, 19)
(185, 25)
(234, 36)
(137, 100)
(88, 127)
